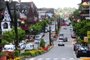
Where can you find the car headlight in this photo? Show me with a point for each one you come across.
(81, 48)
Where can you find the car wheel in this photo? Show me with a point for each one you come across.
(77, 55)
(58, 44)
(63, 45)
(74, 49)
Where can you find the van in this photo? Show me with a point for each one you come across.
(10, 48)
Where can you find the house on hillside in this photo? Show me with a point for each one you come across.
(6, 22)
(30, 10)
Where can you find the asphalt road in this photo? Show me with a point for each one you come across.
(59, 52)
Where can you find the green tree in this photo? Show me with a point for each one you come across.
(82, 27)
(9, 36)
(38, 27)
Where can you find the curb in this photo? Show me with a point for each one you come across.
(40, 54)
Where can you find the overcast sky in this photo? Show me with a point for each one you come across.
(55, 3)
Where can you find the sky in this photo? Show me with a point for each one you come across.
(54, 3)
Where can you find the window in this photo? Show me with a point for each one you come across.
(5, 25)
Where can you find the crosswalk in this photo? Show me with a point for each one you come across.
(51, 59)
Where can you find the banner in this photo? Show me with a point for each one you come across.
(85, 39)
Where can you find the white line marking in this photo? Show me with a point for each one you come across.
(47, 59)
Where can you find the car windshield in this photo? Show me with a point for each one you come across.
(61, 35)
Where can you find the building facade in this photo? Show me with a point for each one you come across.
(85, 9)
(5, 24)
(45, 12)
(30, 10)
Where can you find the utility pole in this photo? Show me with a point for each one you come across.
(15, 26)
(2, 6)
(50, 41)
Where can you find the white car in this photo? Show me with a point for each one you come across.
(22, 45)
(60, 43)
(29, 46)
(38, 36)
(42, 34)
(9, 47)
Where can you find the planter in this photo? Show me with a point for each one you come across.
(3, 58)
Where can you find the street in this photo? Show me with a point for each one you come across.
(59, 52)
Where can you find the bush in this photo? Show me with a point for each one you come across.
(40, 51)
(17, 53)
(18, 58)
(42, 43)
(2, 54)
(26, 53)
(33, 53)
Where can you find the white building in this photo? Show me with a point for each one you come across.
(5, 24)
(45, 12)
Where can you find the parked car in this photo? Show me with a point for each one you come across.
(22, 45)
(82, 51)
(42, 34)
(60, 43)
(29, 46)
(73, 35)
(76, 46)
(9, 47)
(39, 36)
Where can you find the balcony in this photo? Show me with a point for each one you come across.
(85, 8)
(85, 15)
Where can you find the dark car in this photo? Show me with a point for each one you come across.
(82, 51)
(73, 35)
(76, 46)
(65, 39)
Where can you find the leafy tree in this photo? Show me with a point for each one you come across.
(81, 28)
(38, 27)
(9, 36)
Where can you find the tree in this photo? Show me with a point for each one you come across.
(9, 36)
(81, 28)
(38, 27)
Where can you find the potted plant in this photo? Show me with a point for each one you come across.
(2, 56)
